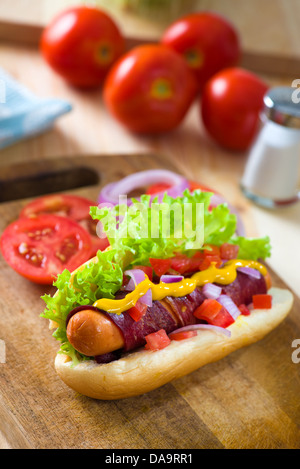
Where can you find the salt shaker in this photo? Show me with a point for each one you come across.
(271, 174)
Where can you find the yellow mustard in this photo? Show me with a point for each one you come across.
(224, 276)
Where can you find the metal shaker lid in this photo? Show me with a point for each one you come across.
(282, 105)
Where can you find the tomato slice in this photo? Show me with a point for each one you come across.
(156, 188)
(160, 187)
(157, 340)
(75, 207)
(41, 247)
(196, 185)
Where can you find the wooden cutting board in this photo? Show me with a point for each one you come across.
(248, 400)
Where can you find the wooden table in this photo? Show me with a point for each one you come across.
(89, 129)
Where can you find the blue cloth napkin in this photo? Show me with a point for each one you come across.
(22, 114)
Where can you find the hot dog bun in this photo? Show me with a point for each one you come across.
(143, 370)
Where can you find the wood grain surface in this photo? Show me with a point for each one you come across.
(248, 400)
(266, 26)
(258, 61)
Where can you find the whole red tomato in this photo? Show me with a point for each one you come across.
(81, 44)
(230, 106)
(150, 89)
(207, 41)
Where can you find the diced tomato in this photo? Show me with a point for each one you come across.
(157, 340)
(213, 259)
(210, 250)
(180, 263)
(205, 264)
(183, 335)
(201, 260)
(214, 313)
(195, 261)
(160, 266)
(262, 301)
(223, 319)
(146, 269)
(208, 310)
(156, 188)
(244, 310)
(229, 251)
(138, 311)
(211, 254)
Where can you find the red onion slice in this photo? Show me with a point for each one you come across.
(229, 305)
(171, 278)
(211, 291)
(195, 327)
(111, 192)
(249, 271)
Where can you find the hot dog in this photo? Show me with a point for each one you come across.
(93, 332)
(118, 315)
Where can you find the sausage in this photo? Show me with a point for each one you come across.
(93, 332)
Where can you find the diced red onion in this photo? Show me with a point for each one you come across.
(111, 192)
(171, 278)
(249, 271)
(136, 277)
(195, 327)
(229, 305)
(211, 291)
(147, 298)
